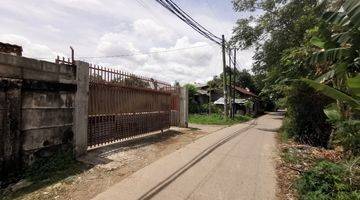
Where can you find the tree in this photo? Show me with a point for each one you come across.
(341, 80)
(132, 81)
(282, 26)
(341, 53)
(280, 37)
(245, 80)
(193, 106)
(213, 84)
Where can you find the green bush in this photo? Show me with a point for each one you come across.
(347, 134)
(215, 109)
(305, 120)
(325, 181)
(194, 107)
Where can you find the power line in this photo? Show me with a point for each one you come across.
(194, 20)
(182, 15)
(195, 25)
(233, 62)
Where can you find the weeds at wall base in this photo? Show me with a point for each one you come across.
(46, 171)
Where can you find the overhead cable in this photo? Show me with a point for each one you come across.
(182, 15)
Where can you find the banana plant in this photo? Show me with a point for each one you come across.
(342, 53)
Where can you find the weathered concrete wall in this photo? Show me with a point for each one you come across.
(17, 67)
(47, 121)
(10, 133)
(37, 103)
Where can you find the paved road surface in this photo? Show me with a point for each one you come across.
(232, 163)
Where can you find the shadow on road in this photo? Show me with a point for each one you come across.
(274, 130)
(163, 184)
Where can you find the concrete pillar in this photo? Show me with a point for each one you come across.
(81, 108)
(184, 107)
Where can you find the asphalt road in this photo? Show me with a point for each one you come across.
(232, 163)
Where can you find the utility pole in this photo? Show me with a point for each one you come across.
(229, 87)
(224, 77)
(234, 81)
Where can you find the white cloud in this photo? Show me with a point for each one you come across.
(127, 27)
(30, 49)
(195, 55)
(179, 58)
(152, 32)
(51, 28)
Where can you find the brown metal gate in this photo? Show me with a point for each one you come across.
(123, 105)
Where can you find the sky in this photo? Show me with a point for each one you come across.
(104, 28)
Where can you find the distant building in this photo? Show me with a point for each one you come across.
(203, 93)
(11, 49)
(239, 104)
(247, 94)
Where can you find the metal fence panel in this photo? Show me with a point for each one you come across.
(122, 105)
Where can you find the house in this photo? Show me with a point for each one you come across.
(238, 105)
(247, 94)
(202, 96)
(214, 94)
(241, 105)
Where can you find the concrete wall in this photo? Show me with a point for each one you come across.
(10, 119)
(37, 104)
(43, 108)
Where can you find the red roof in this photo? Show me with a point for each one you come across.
(244, 91)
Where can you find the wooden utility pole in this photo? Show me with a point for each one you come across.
(234, 81)
(224, 77)
(229, 87)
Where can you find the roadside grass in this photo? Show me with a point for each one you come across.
(283, 135)
(290, 157)
(308, 172)
(60, 167)
(329, 180)
(217, 119)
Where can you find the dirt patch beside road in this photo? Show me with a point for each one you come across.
(110, 164)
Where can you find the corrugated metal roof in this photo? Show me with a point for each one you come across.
(221, 101)
(203, 92)
(244, 91)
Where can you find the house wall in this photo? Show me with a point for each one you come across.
(36, 110)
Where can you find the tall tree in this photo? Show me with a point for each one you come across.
(279, 31)
(280, 25)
